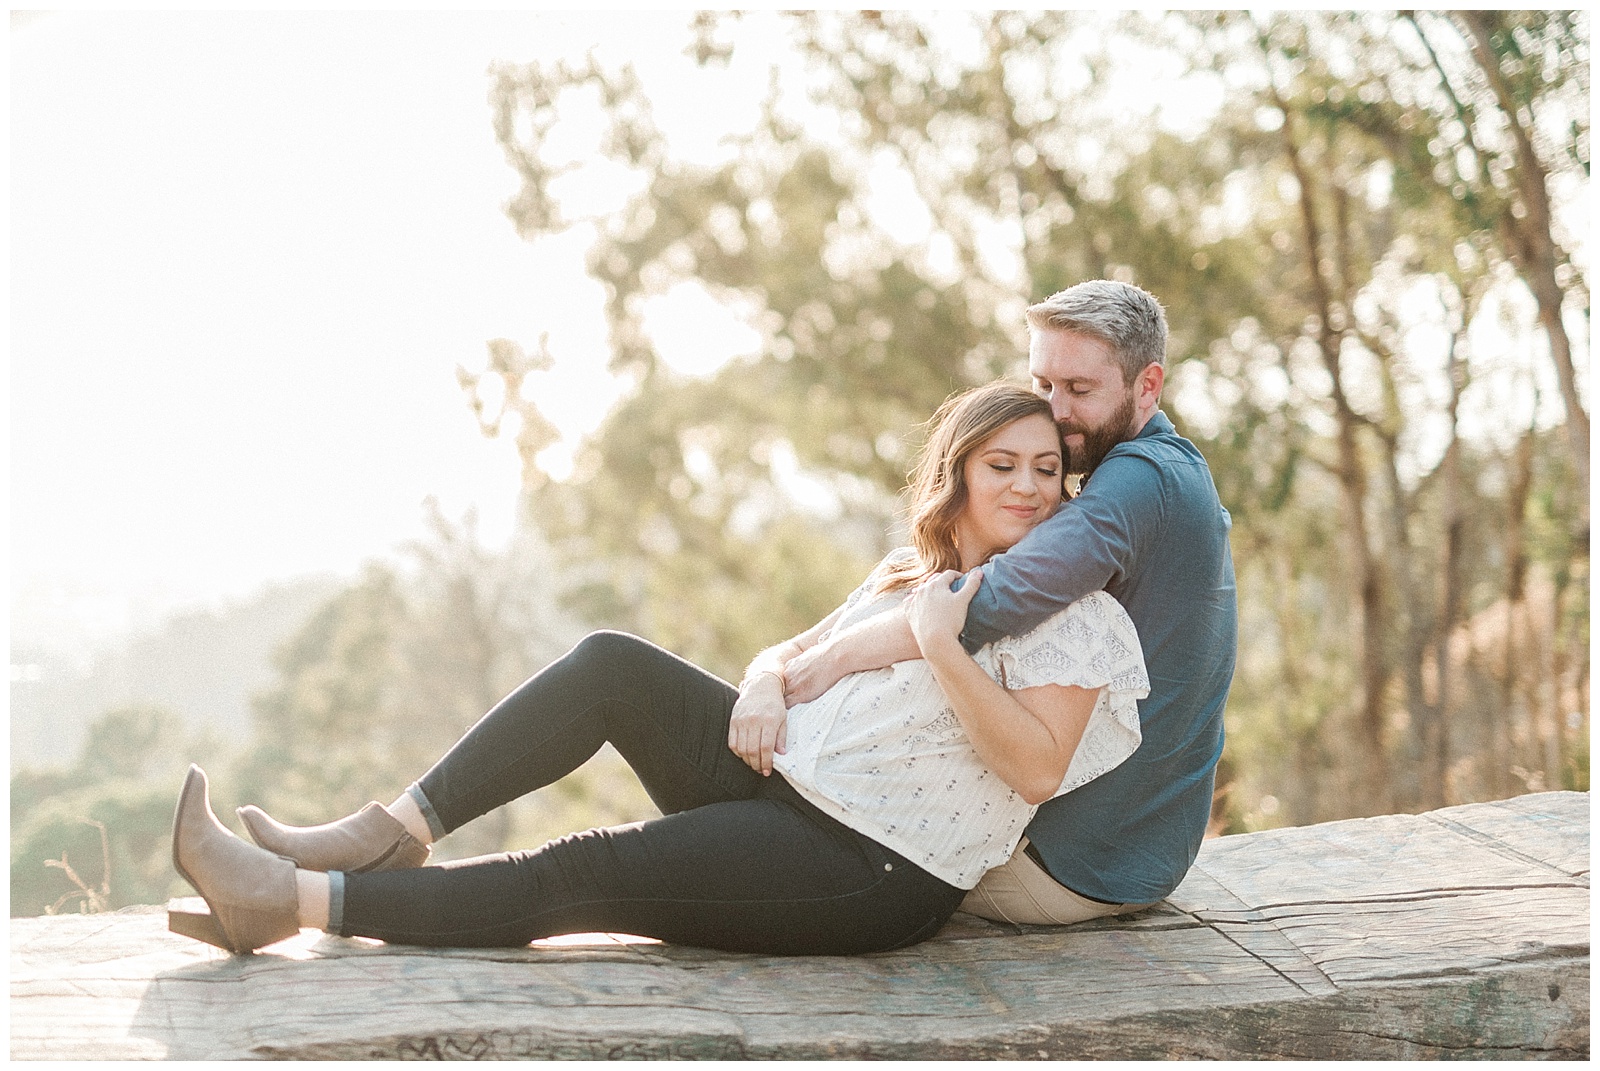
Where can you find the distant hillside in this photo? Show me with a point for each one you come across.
(201, 664)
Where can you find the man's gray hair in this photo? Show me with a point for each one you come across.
(1121, 315)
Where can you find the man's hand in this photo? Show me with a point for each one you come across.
(760, 722)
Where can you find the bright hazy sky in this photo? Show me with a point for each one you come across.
(247, 253)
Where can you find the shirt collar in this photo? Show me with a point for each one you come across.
(1158, 424)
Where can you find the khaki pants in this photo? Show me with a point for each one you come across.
(1019, 890)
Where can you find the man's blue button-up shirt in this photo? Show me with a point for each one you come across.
(1149, 529)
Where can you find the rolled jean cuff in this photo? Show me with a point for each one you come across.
(420, 798)
(336, 902)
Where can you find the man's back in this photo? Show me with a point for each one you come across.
(1149, 529)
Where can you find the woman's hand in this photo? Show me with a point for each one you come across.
(759, 725)
(936, 614)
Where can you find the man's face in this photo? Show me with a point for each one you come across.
(1081, 379)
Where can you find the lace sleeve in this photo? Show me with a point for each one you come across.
(1090, 644)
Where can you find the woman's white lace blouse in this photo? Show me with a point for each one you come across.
(883, 752)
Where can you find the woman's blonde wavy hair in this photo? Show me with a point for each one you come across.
(937, 487)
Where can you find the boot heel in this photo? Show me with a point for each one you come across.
(192, 917)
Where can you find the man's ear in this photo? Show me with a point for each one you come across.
(1147, 389)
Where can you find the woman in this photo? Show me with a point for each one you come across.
(902, 785)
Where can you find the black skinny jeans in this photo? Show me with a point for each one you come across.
(738, 861)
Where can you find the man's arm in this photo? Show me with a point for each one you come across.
(1028, 736)
(1090, 542)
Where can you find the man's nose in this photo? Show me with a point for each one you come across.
(1060, 407)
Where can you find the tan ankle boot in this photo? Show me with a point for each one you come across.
(249, 893)
(371, 839)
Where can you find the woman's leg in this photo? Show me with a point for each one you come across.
(770, 874)
(667, 717)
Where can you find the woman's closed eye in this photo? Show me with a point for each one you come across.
(1042, 470)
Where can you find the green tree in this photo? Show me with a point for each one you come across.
(1397, 201)
(97, 836)
(1328, 244)
(385, 676)
(683, 494)
(376, 684)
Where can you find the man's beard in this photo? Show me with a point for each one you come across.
(1098, 441)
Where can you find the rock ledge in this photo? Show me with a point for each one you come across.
(1462, 932)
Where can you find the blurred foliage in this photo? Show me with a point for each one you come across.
(389, 673)
(125, 781)
(376, 685)
(1361, 254)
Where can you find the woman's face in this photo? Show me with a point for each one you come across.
(1013, 483)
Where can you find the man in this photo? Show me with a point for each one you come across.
(1149, 529)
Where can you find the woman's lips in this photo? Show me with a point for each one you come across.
(1022, 511)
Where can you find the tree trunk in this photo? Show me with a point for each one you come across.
(1453, 520)
(1531, 243)
(1516, 553)
(1352, 476)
